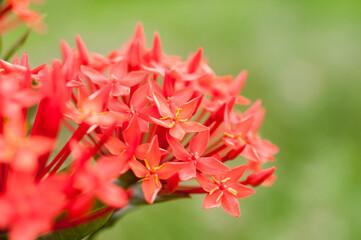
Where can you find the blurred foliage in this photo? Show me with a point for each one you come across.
(303, 59)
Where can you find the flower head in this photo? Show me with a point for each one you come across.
(140, 123)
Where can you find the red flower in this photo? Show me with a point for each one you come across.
(131, 146)
(152, 172)
(225, 190)
(236, 138)
(92, 110)
(97, 181)
(137, 103)
(119, 78)
(258, 177)
(141, 115)
(177, 122)
(28, 207)
(194, 159)
(20, 151)
(16, 92)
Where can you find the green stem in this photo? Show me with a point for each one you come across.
(17, 45)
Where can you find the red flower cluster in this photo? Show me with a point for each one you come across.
(136, 116)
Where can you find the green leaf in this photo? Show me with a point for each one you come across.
(81, 231)
(3, 236)
(126, 180)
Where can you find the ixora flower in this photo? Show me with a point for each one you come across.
(141, 123)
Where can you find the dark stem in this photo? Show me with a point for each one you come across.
(5, 9)
(17, 45)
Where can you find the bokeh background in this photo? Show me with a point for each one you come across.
(304, 62)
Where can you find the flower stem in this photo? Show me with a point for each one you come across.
(17, 45)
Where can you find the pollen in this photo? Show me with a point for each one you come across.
(132, 111)
(171, 125)
(154, 169)
(121, 154)
(146, 164)
(143, 179)
(215, 180)
(236, 136)
(219, 197)
(113, 77)
(165, 118)
(157, 180)
(213, 190)
(226, 179)
(177, 114)
(159, 167)
(232, 191)
(228, 135)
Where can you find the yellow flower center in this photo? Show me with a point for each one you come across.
(176, 119)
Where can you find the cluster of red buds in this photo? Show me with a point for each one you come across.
(139, 123)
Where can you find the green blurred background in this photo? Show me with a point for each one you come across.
(304, 62)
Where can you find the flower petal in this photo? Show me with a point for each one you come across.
(169, 169)
(188, 172)
(112, 195)
(195, 61)
(138, 169)
(134, 78)
(210, 165)
(253, 109)
(116, 105)
(177, 131)
(242, 191)
(113, 145)
(191, 127)
(205, 182)
(118, 70)
(132, 134)
(238, 83)
(210, 200)
(230, 204)
(179, 151)
(245, 126)
(151, 188)
(236, 173)
(183, 95)
(199, 142)
(164, 123)
(162, 105)
(250, 153)
(139, 99)
(94, 76)
(82, 50)
(188, 109)
(120, 90)
(157, 47)
(153, 154)
(110, 167)
(257, 178)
